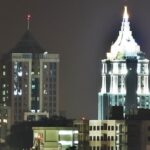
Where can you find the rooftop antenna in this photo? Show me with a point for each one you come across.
(28, 21)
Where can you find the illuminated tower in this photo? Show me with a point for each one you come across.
(125, 75)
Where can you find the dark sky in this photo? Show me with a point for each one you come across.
(82, 32)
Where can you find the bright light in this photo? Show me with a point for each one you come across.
(76, 132)
(32, 110)
(125, 15)
(5, 120)
(15, 92)
(20, 73)
(76, 142)
(65, 142)
(65, 132)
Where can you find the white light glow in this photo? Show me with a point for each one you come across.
(76, 132)
(76, 142)
(65, 132)
(20, 73)
(20, 92)
(125, 14)
(65, 142)
(125, 45)
(5, 120)
(15, 92)
(32, 110)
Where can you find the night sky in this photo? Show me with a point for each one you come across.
(81, 31)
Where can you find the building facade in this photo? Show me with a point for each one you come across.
(125, 75)
(108, 135)
(30, 81)
(83, 133)
(54, 138)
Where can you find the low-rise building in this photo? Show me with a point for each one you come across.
(54, 138)
(108, 135)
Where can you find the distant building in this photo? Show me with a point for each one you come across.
(125, 75)
(30, 81)
(54, 138)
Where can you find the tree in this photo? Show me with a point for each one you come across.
(21, 136)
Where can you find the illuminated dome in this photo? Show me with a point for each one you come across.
(125, 45)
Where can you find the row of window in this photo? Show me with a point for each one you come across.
(104, 127)
(104, 138)
(105, 148)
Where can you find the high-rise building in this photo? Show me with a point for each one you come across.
(125, 75)
(124, 100)
(30, 81)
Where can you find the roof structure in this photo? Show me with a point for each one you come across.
(27, 44)
(125, 45)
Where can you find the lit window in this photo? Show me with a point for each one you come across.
(4, 73)
(3, 92)
(45, 66)
(20, 92)
(33, 111)
(4, 99)
(33, 86)
(4, 66)
(4, 85)
(5, 120)
(15, 92)
(45, 92)
(20, 73)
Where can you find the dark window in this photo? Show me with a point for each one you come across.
(97, 127)
(112, 127)
(116, 127)
(105, 126)
(90, 138)
(90, 127)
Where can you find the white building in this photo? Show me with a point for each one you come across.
(125, 75)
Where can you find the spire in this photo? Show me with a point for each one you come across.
(28, 21)
(125, 14)
(125, 45)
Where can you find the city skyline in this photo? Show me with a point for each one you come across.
(82, 32)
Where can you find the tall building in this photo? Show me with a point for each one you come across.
(125, 75)
(124, 100)
(30, 81)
